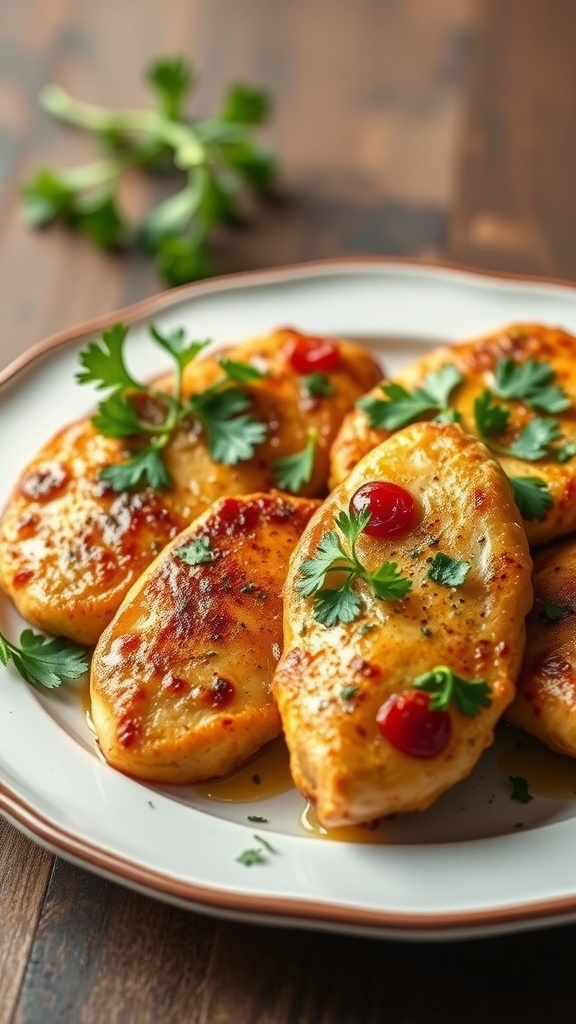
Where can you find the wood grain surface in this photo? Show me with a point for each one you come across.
(404, 127)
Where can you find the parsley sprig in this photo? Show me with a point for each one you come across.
(532, 496)
(217, 159)
(403, 407)
(44, 661)
(148, 416)
(291, 472)
(534, 440)
(337, 555)
(530, 382)
(445, 687)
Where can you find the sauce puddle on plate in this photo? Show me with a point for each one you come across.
(267, 774)
(346, 834)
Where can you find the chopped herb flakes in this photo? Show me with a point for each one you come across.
(520, 791)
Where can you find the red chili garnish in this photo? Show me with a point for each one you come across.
(408, 723)
(307, 354)
(393, 510)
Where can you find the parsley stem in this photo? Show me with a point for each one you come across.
(188, 149)
(99, 172)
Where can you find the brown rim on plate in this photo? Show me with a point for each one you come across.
(304, 911)
(221, 900)
(140, 310)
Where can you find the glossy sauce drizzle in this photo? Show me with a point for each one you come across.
(345, 834)
(267, 774)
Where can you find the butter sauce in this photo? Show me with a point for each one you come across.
(265, 775)
(346, 834)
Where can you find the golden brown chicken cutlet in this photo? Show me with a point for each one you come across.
(181, 678)
(545, 705)
(71, 546)
(356, 692)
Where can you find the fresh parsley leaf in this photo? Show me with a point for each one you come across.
(220, 157)
(232, 437)
(257, 855)
(317, 385)
(241, 373)
(532, 496)
(445, 687)
(351, 524)
(250, 857)
(177, 346)
(520, 791)
(533, 442)
(291, 472)
(183, 258)
(449, 572)
(117, 417)
(440, 385)
(103, 361)
(99, 218)
(254, 163)
(234, 440)
(388, 583)
(258, 819)
(531, 382)
(566, 452)
(341, 604)
(404, 407)
(196, 551)
(42, 661)
(45, 198)
(146, 468)
(171, 78)
(491, 418)
(245, 105)
(329, 556)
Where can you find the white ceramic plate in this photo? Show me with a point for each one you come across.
(477, 862)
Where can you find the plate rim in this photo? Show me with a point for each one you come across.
(295, 911)
(273, 909)
(223, 282)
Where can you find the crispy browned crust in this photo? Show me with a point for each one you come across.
(181, 678)
(70, 548)
(339, 759)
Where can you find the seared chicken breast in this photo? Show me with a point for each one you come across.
(334, 681)
(476, 360)
(181, 679)
(71, 547)
(545, 705)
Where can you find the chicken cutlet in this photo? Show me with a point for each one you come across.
(181, 679)
(403, 644)
(530, 370)
(71, 546)
(545, 705)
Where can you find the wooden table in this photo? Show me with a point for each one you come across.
(407, 127)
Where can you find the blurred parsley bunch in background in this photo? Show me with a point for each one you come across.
(218, 157)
